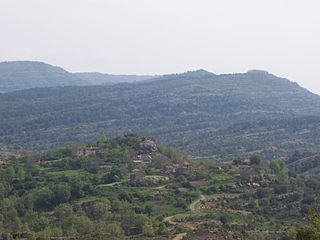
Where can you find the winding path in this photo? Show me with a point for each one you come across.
(179, 236)
(193, 206)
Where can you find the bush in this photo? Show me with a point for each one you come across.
(162, 229)
(224, 219)
(114, 229)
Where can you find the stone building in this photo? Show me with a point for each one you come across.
(89, 151)
(143, 158)
(105, 169)
(248, 172)
(136, 176)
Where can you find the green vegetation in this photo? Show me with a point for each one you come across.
(203, 114)
(310, 231)
(27, 74)
(59, 193)
(19, 75)
(63, 193)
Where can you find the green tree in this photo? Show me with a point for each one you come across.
(255, 159)
(162, 229)
(280, 169)
(3, 191)
(43, 198)
(310, 231)
(80, 225)
(276, 166)
(283, 176)
(62, 193)
(9, 214)
(63, 211)
(171, 153)
(37, 221)
(99, 210)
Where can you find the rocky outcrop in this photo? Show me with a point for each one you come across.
(147, 146)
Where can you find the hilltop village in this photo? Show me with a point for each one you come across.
(141, 157)
(131, 188)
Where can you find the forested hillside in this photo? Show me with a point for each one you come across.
(26, 74)
(21, 75)
(305, 163)
(95, 78)
(201, 113)
(130, 187)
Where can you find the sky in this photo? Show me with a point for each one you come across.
(166, 36)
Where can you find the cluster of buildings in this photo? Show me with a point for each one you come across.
(142, 154)
(143, 158)
(182, 168)
(89, 151)
(144, 151)
(246, 170)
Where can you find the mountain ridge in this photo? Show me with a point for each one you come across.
(20, 75)
(203, 114)
(97, 78)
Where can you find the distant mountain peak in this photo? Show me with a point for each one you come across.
(258, 71)
(26, 63)
(194, 73)
(96, 78)
(199, 72)
(19, 75)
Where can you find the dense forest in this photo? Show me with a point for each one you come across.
(203, 114)
(19, 75)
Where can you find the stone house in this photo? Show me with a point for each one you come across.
(248, 172)
(170, 169)
(183, 168)
(136, 176)
(105, 169)
(89, 151)
(143, 158)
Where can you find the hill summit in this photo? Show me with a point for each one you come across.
(20, 75)
(222, 116)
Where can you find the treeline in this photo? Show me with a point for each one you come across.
(199, 112)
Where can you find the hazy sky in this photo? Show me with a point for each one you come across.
(165, 36)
